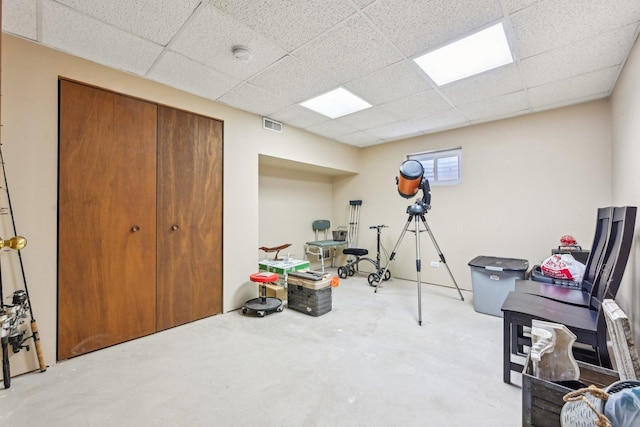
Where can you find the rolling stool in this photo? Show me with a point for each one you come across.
(263, 304)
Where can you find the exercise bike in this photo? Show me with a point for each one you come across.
(359, 254)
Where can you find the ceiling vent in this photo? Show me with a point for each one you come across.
(271, 125)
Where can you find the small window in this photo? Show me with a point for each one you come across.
(441, 167)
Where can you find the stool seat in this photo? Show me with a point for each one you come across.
(263, 304)
(263, 277)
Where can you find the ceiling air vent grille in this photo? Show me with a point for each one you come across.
(271, 125)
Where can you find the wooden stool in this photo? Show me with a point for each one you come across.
(263, 304)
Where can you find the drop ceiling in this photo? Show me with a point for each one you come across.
(566, 51)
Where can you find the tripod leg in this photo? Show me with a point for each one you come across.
(441, 255)
(393, 253)
(418, 265)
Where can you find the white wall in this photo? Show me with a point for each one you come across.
(30, 146)
(625, 112)
(289, 201)
(526, 181)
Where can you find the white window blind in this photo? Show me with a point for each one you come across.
(442, 167)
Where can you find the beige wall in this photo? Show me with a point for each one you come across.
(289, 201)
(30, 108)
(625, 112)
(526, 181)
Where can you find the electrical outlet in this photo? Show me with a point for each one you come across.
(435, 264)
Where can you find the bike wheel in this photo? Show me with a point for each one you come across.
(387, 275)
(373, 279)
(342, 272)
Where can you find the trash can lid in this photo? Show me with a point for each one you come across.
(500, 264)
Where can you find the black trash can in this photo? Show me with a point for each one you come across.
(492, 278)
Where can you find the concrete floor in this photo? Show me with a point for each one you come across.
(365, 363)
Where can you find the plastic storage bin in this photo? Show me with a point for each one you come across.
(492, 279)
(312, 297)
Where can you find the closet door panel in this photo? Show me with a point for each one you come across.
(189, 217)
(107, 219)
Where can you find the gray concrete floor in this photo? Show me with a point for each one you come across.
(365, 363)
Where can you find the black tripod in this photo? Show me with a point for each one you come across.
(416, 213)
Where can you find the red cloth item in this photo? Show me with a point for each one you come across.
(567, 240)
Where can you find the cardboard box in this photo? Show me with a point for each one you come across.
(273, 290)
(282, 266)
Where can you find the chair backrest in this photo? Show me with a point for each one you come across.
(321, 225)
(600, 239)
(616, 255)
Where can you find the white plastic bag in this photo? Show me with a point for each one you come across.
(623, 408)
(563, 266)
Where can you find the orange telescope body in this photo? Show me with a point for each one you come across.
(411, 172)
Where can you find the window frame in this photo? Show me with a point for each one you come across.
(434, 156)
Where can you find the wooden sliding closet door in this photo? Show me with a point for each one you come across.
(107, 219)
(189, 217)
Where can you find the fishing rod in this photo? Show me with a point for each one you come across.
(27, 300)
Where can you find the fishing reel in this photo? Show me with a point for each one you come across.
(12, 317)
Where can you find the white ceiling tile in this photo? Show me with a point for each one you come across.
(551, 24)
(497, 107)
(486, 85)
(369, 118)
(182, 73)
(516, 5)
(363, 3)
(67, 30)
(253, 99)
(568, 51)
(392, 131)
(598, 82)
(506, 115)
(431, 23)
(20, 17)
(350, 50)
(568, 102)
(582, 57)
(331, 129)
(417, 105)
(390, 83)
(290, 24)
(437, 121)
(298, 116)
(359, 139)
(210, 36)
(291, 79)
(155, 20)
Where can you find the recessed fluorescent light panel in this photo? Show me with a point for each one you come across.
(482, 51)
(339, 102)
